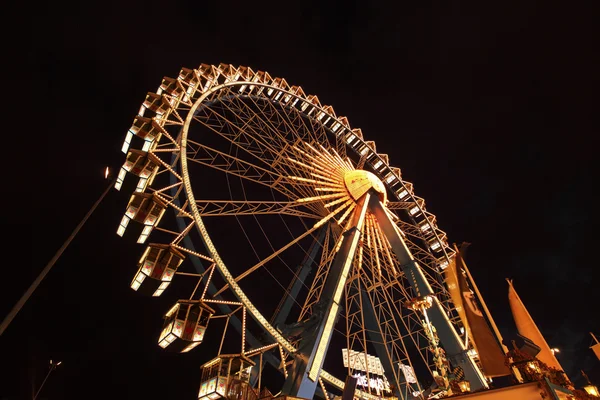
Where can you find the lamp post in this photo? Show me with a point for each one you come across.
(53, 366)
(590, 389)
(12, 314)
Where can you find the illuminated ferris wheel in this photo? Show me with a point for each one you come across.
(300, 235)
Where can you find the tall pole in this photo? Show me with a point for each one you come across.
(52, 368)
(50, 264)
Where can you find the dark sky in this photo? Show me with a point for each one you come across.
(487, 109)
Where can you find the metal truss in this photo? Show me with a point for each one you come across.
(257, 132)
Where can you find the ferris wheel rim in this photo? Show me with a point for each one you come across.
(323, 374)
(199, 220)
(202, 228)
(446, 251)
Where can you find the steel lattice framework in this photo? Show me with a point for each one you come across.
(227, 144)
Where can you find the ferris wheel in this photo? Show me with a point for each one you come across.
(300, 234)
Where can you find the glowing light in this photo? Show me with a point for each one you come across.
(332, 203)
(147, 267)
(140, 277)
(145, 233)
(199, 333)
(420, 303)
(223, 384)
(464, 386)
(435, 245)
(202, 391)
(141, 185)
(362, 361)
(409, 373)
(131, 211)
(532, 366)
(120, 178)
(378, 383)
(321, 349)
(211, 363)
(126, 143)
(402, 194)
(168, 275)
(123, 225)
(166, 330)
(172, 310)
(106, 173)
(358, 182)
(592, 390)
(443, 264)
(190, 347)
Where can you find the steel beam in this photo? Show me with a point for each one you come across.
(308, 360)
(455, 350)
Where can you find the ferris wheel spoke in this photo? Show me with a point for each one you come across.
(271, 119)
(281, 161)
(231, 164)
(244, 139)
(287, 130)
(244, 129)
(314, 132)
(276, 254)
(258, 137)
(270, 257)
(208, 208)
(281, 132)
(224, 162)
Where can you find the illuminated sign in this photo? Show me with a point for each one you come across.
(409, 373)
(362, 362)
(377, 383)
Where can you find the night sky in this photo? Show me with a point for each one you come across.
(488, 110)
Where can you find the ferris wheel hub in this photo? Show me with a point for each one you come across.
(359, 182)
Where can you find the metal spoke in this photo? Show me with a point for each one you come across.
(228, 207)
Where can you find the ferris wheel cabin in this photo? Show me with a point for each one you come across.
(185, 325)
(139, 163)
(227, 377)
(159, 263)
(144, 128)
(145, 208)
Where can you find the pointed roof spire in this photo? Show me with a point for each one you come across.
(527, 327)
(596, 346)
